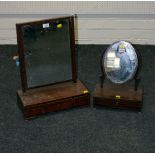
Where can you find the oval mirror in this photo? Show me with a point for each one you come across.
(120, 62)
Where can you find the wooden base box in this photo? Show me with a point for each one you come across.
(118, 96)
(52, 98)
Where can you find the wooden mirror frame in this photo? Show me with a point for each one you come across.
(20, 43)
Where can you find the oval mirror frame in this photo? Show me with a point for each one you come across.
(120, 62)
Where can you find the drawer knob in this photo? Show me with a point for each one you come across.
(117, 99)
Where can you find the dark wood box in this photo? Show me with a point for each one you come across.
(52, 98)
(118, 96)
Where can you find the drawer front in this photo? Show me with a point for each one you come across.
(117, 103)
(82, 100)
(48, 107)
(57, 105)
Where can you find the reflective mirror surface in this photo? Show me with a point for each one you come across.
(120, 62)
(47, 52)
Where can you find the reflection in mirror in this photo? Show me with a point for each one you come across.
(120, 62)
(47, 52)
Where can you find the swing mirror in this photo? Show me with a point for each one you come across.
(46, 51)
(120, 62)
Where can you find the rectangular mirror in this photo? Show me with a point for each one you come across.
(46, 51)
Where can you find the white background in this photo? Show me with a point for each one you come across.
(101, 22)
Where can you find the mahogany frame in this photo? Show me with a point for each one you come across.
(21, 50)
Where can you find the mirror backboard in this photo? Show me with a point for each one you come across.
(46, 51)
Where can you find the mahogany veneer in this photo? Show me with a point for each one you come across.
(52, 98)
(118, 96)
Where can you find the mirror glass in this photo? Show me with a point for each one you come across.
(47, 52)
(120, 62)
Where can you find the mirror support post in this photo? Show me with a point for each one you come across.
(137, 81)
(73, 53)
(101, 80)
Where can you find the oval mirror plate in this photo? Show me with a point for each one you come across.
(120, 62)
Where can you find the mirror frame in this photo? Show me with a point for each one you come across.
(136, 76)
(20, 43)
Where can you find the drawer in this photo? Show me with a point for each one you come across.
(49, 107)
(82, 100)
(117, 103)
